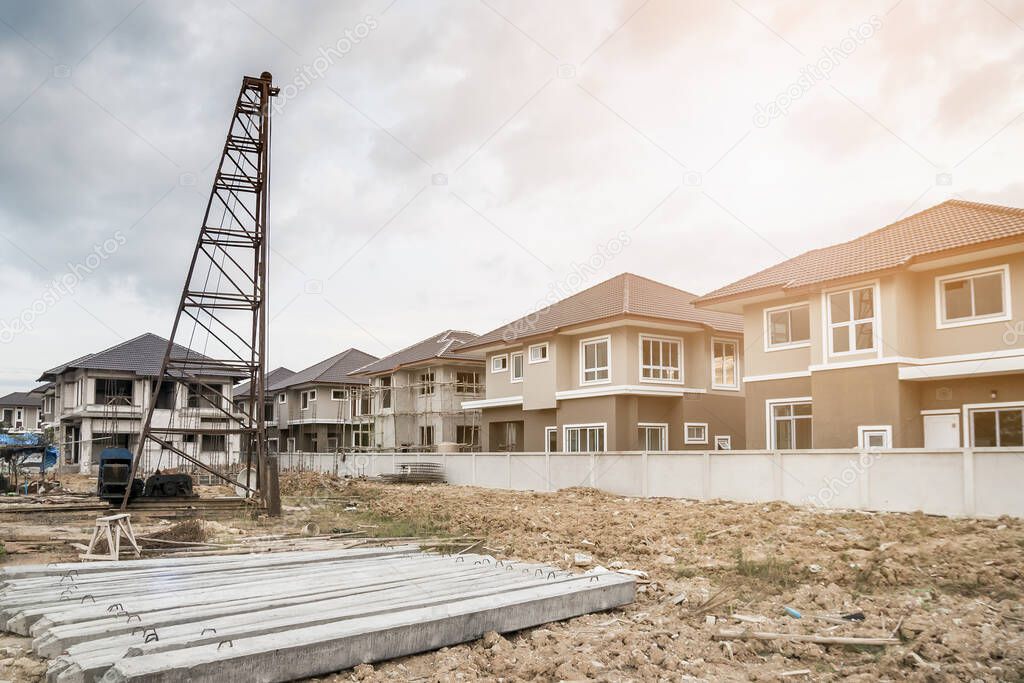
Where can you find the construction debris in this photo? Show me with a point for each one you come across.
(280, 616)
(416, 473)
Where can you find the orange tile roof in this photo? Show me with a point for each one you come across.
(953, 224)
(623, 295)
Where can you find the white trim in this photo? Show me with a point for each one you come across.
(728, 440)
(339, 391)
(496, 357)
(686, 435)
(769, 433)
(864, 362)
(640, 359)
(968, 424)
(941, 411)
(547, 353)
(565, 435)
(736, 369)
(511, 364)
(766, 333)
(777, 375)
(493, 402)
(663, 426)
(547, 438)
(629, 389)
(282, 397)
(962, 368)
(863, 429)
(607, 338)
(940, 308)
(851, 324)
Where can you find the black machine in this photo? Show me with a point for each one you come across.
(115, 478)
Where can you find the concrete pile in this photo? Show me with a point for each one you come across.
(280, 616)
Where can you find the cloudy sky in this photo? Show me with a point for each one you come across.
(456, 164)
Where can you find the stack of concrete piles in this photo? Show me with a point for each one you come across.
(280, 616)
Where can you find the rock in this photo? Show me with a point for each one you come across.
(666, 559)
(582, 559)
(491, 639)
(362, 671)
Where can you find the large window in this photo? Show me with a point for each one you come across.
(306, 397)
(362, 436)
(213, 443)
(724, 364)
(363, 401)
(851, 320)
(114, 392)
(426, 383)
(971, 298)
(787, 327)
(467, 382)
(595, 360)
(516, 361)
(427, 435)
(584, 438)
(790, 425)
(999, 427)
(468, 437)
(653, 437)
(661, 360)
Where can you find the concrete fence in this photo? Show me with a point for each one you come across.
(982, 482)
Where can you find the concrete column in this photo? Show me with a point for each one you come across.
(85, 447)
(969, 491)
(643, 475)
(777, 475)
(705, 489)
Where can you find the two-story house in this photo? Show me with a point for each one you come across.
(417, 395)
(101, 398)
(318, 409)
(20, 410)
(908, 336)
(242, 397)
(628, 364)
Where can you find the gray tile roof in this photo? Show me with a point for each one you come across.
(442, 346)
(21, 398)
(275, 375)
(334, 370)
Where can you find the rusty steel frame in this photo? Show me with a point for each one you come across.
(241, 193)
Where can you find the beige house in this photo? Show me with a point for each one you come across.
(628, 364)
(417, 394)
(319, 409)
(909, 336)
(21, 410)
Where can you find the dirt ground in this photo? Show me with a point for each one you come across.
(949, 590)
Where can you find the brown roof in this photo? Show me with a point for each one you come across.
(954, 224)
(623, 295)
(442, 346)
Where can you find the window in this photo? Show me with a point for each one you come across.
(661, 360)
(332, 444)
(306, 396)
(113, 392)
(551, 439)
(584, 438)
(695, 432)
(468, 437)
(595, 365)
(724, 364)
(851, 320)
(363, 403)
(362, 436)
(999, 427)
(787, 327)
(426, 384)
(272, 445)
(653, 437)
(539, 353)
(204, 396)
(723, 443)
(499, 363)
(282, 398)
(516, 360)
(971, 298)
(874, 436)
(385, 392)
(290, 443)
(790, 424)
(337, 394)
(427, 435)
(467, 382)
(213, 443)
(166, 396)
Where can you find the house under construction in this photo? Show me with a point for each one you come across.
(415, 397)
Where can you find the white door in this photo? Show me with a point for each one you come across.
(942, 431)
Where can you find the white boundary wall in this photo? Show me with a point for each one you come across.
(981, 482)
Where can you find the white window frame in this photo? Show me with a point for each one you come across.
(851, 324)
(864, 430)
(802, 344)
(592, 425)
(304, 400)
(723, 442)
(640, 354)
(290, 444)
(736, 365)
(686, 433)
(547, 353)
(512, 367)
(968, 418)
(282, 397)
(607, 339)
(337, 394)
(359, 430)
(769, 421)
(940, 299)
(332, 444)
(503, 357)
(660, 426)
(547, 439)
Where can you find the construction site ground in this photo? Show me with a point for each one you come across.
(949, 590)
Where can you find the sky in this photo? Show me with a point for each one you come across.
(459, 164)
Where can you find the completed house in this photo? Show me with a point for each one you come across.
(20, 410)
(417, 395)
(628, 364)
(318, 410)
(909, 336)
(101, 398)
